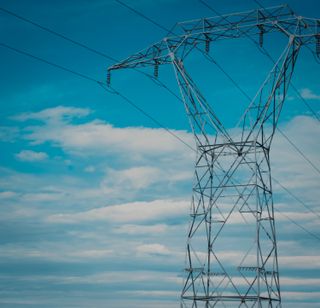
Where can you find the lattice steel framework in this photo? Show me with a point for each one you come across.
(232, 174)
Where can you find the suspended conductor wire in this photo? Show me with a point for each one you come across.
(233, 81)
(152, 78)
(143, 16)
(300, 152)
(296, 198)
(155, 80)
(249, 98)
(293, 87)
(225, 72)
(50, 63)
(111, 90)
(298, 225)
(58, 34)
(130, 102)
(85, 46)
(267, 54)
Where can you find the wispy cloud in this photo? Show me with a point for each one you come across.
(130, 212)
(31, 156)
(99, 137)
(153, 249)
(53, 114)
(9, 133)
(309, 94)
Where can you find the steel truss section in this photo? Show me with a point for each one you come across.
(232, 193)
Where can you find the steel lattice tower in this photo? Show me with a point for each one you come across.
(232, 173)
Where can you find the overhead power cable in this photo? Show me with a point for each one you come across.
(234, 82)
(157, 81)
(143, 16)
(296, 198)
(113, 90)
(130, 102)
(265, 52)
(298, 225)
(58, 34)
(249, 99)
(152, 78)
(226, 73)
(50, 63)
(272, 60)
(110, 89)
(299, 151)
(220, 68)
(85, 46)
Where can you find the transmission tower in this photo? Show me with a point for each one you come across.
(232, 173)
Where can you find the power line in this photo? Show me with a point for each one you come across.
(130, 102)
(292, 85)
(233, 81)
(305, 102)
(229, 76)
(85, 46)
(295, 197)
(267, 54)
(50, 63)
(299, 151)
(298, 225)
(143, 16)
(221, 68)
(248, 97)
(112, 90)
(58, 34)
(156, 81)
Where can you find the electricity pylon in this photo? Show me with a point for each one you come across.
(232, 173)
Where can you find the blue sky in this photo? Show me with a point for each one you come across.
(94, 196)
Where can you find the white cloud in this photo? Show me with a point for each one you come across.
(7, 194)
(53, 114)
(152, 249)
(142, 229)
(112, 277)
(130, 181)
(55, 252)
(152, 293)
(132, 178)
(309, 94)
(289, 281)
(128, 212)
(90, 169)
(310, 262)
(31, 156)
(43, 196)
(99, 137)
(293, 296)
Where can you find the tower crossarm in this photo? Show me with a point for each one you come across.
(187, 35)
